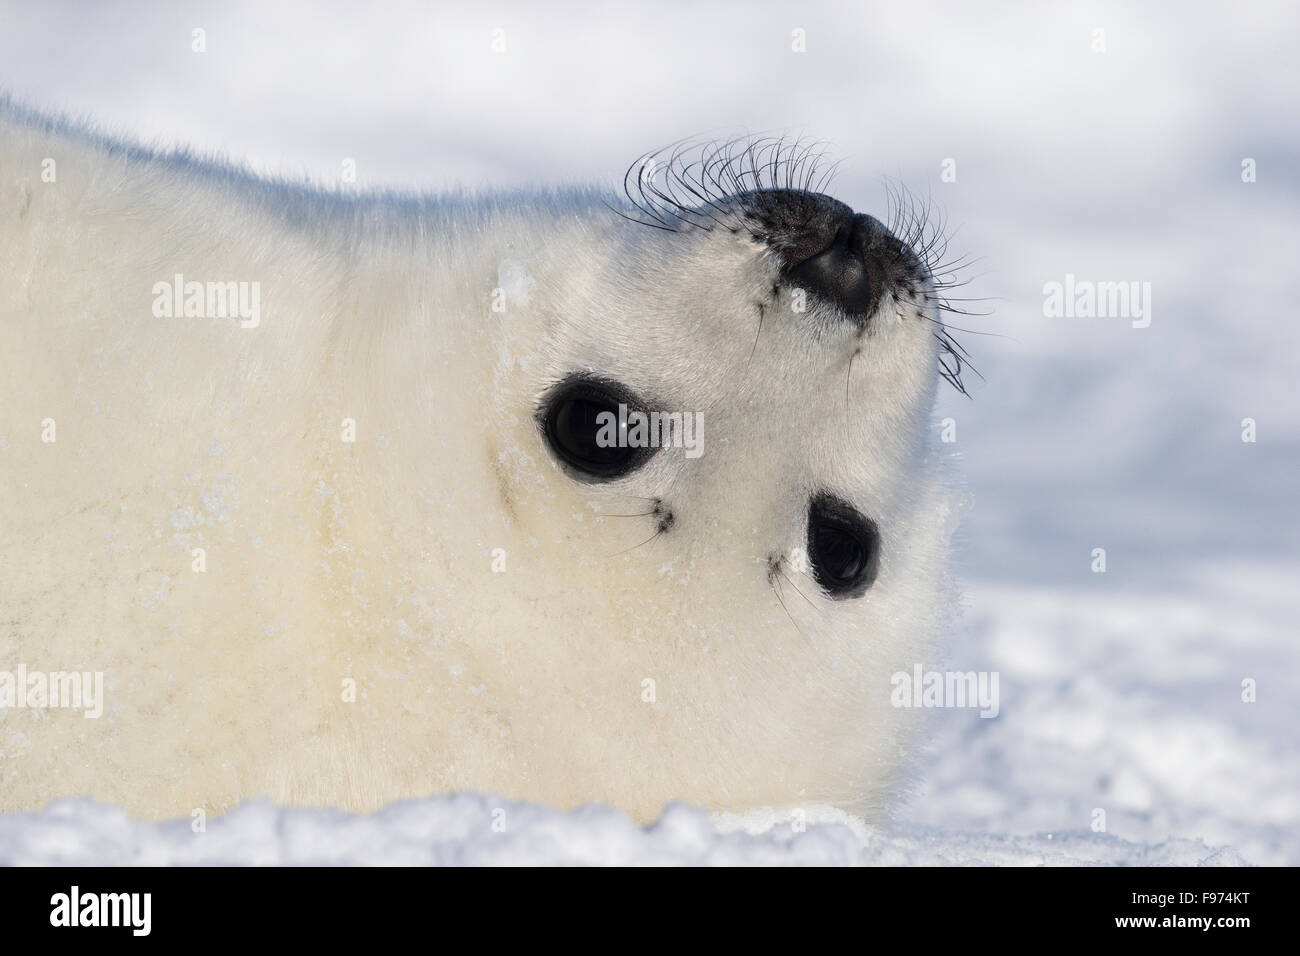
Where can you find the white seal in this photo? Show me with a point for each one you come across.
(351, 498)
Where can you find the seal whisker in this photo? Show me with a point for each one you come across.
(761, 310)
(635, 546)
(639, 222)
(922, 225)
(781, 601)
(696, 185)
(800, 592)
(848, 376)
(702, 176)
(956, 328)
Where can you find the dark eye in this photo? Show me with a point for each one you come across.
(843, 547)
(580, 420)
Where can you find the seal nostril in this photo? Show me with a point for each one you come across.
(826, 248)
(839, 273)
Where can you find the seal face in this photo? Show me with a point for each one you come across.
(508, 494)
(771, 190)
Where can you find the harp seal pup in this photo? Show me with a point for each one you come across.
(354, 539)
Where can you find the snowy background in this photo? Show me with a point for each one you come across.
(1120, 691)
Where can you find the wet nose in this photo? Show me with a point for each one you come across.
(841, 273)
(840, 256)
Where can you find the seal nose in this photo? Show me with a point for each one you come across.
(840, 256)
(840, 273)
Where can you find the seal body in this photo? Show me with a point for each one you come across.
(325, 554)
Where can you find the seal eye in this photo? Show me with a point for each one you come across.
(580, 420)
(843, 547)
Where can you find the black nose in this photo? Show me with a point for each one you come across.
(845, 258)
(840, 273)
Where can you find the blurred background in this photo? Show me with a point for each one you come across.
(1104, 141)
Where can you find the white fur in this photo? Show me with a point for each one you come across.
(372, 560)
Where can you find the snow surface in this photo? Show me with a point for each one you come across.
(1120, 692)
(459, 830)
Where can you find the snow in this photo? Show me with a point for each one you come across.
(471, 829)
(1131, 705)
(1120, 692)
